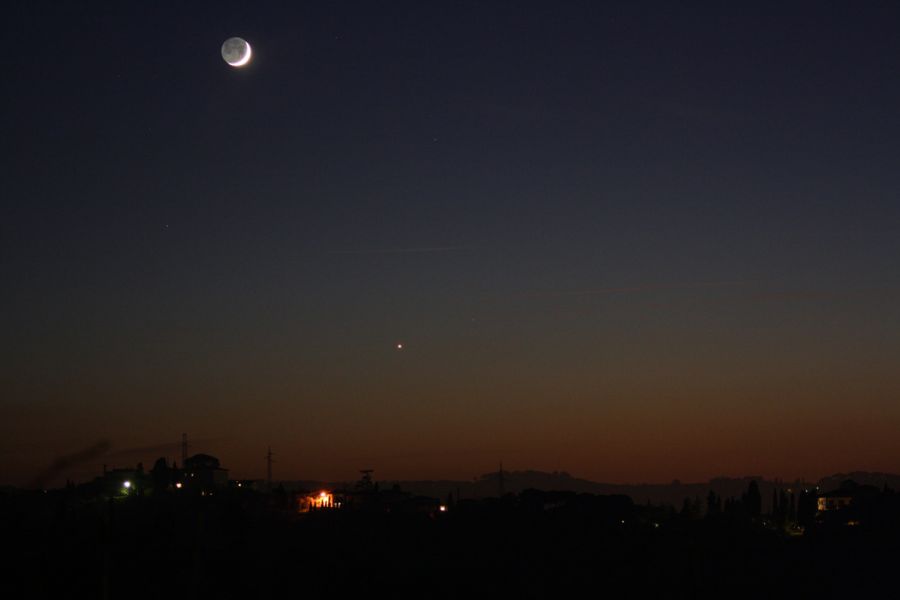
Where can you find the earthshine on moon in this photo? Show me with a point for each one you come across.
(236, 52)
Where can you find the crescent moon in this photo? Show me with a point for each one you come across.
(244, 60)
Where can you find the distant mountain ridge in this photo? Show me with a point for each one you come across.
(863, 478)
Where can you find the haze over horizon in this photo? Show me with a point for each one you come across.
(86, 463)
(634, 241)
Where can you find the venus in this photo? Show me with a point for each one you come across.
(236, 52)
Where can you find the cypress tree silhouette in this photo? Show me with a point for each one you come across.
(753, 500)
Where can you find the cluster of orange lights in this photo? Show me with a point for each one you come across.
(323, 500)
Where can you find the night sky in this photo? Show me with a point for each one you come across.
(635, 241)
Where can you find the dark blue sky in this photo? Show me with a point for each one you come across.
(638, 240)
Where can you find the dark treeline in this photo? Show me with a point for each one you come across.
(536, 544)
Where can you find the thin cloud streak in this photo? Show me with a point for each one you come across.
(645, 288)
(416, 250)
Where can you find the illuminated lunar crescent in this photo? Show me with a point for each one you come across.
(236, 52)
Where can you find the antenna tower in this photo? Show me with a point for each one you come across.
(184, 448)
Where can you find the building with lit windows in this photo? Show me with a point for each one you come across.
(203, 472)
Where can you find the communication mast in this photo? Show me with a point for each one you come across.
(269, 462)
(184, 448)
(365, 482)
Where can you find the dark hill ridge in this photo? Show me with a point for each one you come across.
(876, 479)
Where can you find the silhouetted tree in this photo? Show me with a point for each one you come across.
(691, 508)
(780, 508)
(806, 508)
(713, 504)
(752, 500)
(160, 475)
(792, 511)
(783, 508)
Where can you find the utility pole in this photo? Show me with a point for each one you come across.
(184, 448)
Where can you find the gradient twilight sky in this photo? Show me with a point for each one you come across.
(632, 240)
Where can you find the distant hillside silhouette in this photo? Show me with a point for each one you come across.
(876, 479)
(672, 493)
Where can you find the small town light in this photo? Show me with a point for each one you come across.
(323, 499)
(442, 508)
(178, 485)
(127, 484)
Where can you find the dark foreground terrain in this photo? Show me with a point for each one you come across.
(241, 544)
